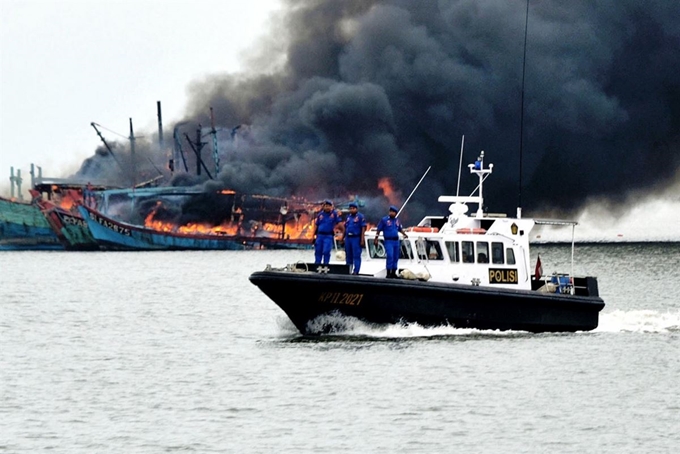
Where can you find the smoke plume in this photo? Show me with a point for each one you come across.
(356, 91)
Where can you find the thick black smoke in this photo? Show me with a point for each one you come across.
(372, 89)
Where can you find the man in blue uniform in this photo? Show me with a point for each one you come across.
(355, 226)
(324, 230)
(391, 226)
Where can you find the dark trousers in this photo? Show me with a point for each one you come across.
(392, 250)
(353, 252)
(322, 249)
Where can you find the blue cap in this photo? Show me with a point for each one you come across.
(393, 208)
(353, 205)
(328, 202)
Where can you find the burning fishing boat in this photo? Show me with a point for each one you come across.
(57, 199)
(178, 218)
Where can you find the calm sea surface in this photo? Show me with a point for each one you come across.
(177, 351)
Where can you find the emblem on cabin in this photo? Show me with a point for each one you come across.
(513, 228)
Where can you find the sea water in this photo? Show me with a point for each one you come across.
(153, 352)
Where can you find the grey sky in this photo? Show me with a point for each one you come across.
(67, 63)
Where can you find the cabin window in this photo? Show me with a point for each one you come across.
(434, 250)
(497, 253)
(454, 251)
(376, 251)
(482, 252)
(468, 248)
(510, 254)
(405, 251)
(420, 249)
(428, 249)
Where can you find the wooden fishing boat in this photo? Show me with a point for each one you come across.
(112, 234)
(23, 227)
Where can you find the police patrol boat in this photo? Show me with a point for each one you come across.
(460, 270)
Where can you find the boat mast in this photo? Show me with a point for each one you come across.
(197, 150)
(177, 149)
(132, 156)
(160, 126)
(106, 144)
(521, 114)
(16, 180)
(213, 131)
(33, 177)
(482, 173)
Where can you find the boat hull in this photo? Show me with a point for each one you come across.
(24, 227)
(115, 235)
(71, 229)
(306, 296)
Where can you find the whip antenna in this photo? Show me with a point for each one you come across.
(521, 114)
(414, 190)
(460, 164)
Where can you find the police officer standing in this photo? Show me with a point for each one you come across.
(391, 226)
(324, 230)
(355, 227)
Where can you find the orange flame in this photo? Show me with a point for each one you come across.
(69, 198)
(298, 228)
(385, 184)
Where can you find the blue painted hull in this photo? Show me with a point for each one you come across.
(116, 235)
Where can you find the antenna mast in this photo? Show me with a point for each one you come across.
(414, 190)
(460, 163)
(521, 114)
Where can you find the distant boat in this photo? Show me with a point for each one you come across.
(189, 218)
(24, 227)
(112, 234)
(57, 199)
(71, 229)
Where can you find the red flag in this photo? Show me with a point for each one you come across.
(539, 268)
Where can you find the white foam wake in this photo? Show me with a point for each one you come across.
(353, 327)
(640, 321)
(637, 321)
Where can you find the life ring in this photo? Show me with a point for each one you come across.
(473, 231)
(423, 229)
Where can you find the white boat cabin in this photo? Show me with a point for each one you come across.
(497, 255)
(478, 249)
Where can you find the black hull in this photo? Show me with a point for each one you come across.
(306, 296)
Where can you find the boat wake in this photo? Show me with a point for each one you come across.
(640, 321)
(338, 326)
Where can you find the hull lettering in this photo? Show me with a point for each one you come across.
(347, 299)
